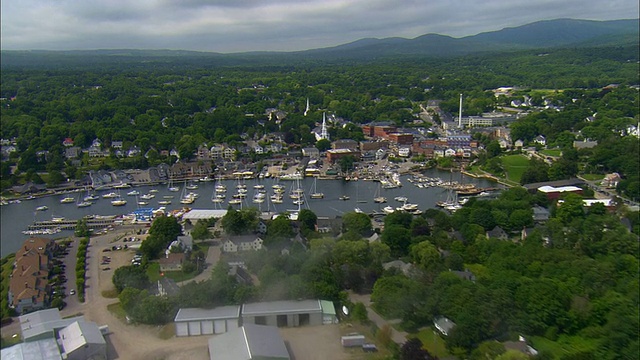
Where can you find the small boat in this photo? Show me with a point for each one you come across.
(143, 203)
(315, 194)
(235, 201)
(84, 204)
(67, 200)
(122, 186)
(164, 202)
(147, 196)
(191, 186)
(401, 198)
(388, 209)
(174, 189)
(258, 187)
(133, 193)
(380, 199)
(91, 197)
(118, 202)
(153, 191)
(110, 195)
(344, 197)
(217, 200)
(298, 201)
(358, 210)
(42, 208)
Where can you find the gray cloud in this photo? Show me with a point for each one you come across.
(248, 25)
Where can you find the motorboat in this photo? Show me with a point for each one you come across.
(401, 198)
(91, 197)
(153, 191)
(344, 197)
(388, 209)
(118, 202)
(191, 186)
(164, 202)
(122, 186)
(380, 199)
(42, 208)
(67, 200)
(133, 193)
(147, 196)
(110, 195)
(84, 204)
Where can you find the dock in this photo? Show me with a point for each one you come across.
(71, 224)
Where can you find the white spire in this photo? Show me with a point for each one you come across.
(307, 109)
(324, 134)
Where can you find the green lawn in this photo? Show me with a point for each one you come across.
(153, 271)
(432, 342)
(117, 311)
(565, 345)
(515, 166)
(592, 177)
(551, 152)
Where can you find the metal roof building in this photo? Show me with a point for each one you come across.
(194, 321)
(42, 324)
(283, 313)
(45, 349)
(249, 342)
(82, 340)
(203, 214)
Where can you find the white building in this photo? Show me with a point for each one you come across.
(82, 340)
(193, 321)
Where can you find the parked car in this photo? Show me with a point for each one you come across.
(72, 292)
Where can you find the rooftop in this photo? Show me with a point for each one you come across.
(222, 312)
(249, 342)
(283, 306)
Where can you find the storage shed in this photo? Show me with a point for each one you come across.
(194, 321)
(283, 313)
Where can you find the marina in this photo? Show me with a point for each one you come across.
(18, 215)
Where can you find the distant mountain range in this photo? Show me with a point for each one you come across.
(546, 34)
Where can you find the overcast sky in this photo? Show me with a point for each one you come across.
(282, 25)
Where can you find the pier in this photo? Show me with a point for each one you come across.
(71, 224)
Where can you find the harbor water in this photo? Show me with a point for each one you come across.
(16, 217)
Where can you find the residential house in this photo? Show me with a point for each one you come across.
(404, 151)
(172, 262)
(68, 142)
(116, 145)
(72, 152)
(438, 153)
(229, 153)
(611, 180)
(258, 149)
(584, 144)
(216, 152)
(518, 144)
(133, 152)
(497, 233)
(262, 227)
(540, 140)
(311, 152)
(444, 325)
(242, 243)
(203, 152)
(504, 143)
(406, 268)
(540, 214)
(520, 346)
(449, 152)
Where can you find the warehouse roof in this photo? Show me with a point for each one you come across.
(46, 349)
(38, 323)
(203, 214)
(248, 342)
(222, 312)
(280, 307)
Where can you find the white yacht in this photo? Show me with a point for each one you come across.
(67, 200)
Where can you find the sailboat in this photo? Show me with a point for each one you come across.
(189, 198)
(118, 201)
(83, 203)
(314, 192)
(172, 187)
(378, 198)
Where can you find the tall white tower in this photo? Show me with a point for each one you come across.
(460, 114)
(307, 109)
(323, 133)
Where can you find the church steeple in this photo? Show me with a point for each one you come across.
(307, 109)
(323, 133)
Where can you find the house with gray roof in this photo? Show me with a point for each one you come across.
(45, 349)
(43, 324)
(250, 342)
(444, 325)
(497, 233)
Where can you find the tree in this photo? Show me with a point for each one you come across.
(358, 223)
(163, 231)
(130, 276)
(397, 238)
(426, 255)
(571, 208)
(201, 230)
(82, 229)
(323, 145)
(401, 218)
(359, 313)
(412, 350)
(308, 219)
(279, 229)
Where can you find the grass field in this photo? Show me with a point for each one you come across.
(515, 166)
(565, 345)
(433, 343)
(592, 177)
(117, 311)
(551, 152)
(153, 271)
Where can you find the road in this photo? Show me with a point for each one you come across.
(399, 337)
